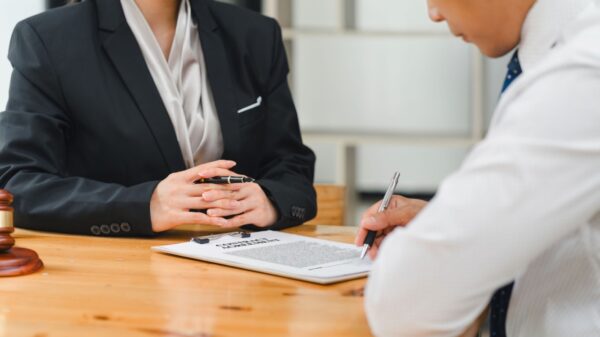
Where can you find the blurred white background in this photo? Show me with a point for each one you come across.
(12, 12)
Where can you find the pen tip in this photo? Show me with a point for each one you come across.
(364, 251)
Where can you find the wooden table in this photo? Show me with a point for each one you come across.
(118, 287)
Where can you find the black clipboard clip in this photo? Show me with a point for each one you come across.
(208, 238)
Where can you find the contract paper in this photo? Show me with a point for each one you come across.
(282, 254)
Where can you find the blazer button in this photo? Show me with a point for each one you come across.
(125, 227)
(115, 227)
(105, 229)
(95, 230)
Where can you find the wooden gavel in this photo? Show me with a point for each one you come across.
(14, 261)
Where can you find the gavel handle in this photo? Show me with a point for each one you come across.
(6, 241)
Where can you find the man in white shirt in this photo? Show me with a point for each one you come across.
(524, 206)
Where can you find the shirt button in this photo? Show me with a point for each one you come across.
(125, 227)
(115, 227)
(95, 230)
(105, 229)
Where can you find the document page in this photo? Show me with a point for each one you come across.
(278, 253)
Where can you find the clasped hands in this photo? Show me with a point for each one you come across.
(175, 197)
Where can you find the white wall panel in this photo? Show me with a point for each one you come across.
(325, 168)
(422, 167)
(388, 84)
(395, 15)
(312, 14)
(12, 12)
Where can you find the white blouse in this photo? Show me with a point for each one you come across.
(182, 84)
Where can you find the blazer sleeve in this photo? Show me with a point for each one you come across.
(287, 169)
(34, 136)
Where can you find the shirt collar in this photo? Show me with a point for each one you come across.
(543, 27)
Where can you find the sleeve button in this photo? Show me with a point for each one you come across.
(115, 227)
(105, 229)
(95, 230)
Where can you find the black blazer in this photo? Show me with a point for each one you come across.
(85, 137)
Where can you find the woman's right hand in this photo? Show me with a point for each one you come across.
(177, 194)
(399, 213)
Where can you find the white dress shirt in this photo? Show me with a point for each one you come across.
(524, 206)
(182, 84)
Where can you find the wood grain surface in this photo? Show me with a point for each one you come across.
(117, 287)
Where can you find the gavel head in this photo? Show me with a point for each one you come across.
(6, 221)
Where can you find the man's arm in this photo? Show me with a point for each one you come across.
(532, 182)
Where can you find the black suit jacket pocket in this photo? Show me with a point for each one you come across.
(251, 115)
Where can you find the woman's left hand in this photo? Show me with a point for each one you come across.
(248, 204)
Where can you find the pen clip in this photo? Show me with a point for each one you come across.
(389, 192)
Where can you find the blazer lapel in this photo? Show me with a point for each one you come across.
(122, 48)
(219, 77)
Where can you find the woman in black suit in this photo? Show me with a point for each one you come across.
(116, 107)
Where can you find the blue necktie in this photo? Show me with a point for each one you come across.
(514, 70)
(501, 298)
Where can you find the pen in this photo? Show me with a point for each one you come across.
(224, 180)
(370, 238)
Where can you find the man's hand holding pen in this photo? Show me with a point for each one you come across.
(399, 213)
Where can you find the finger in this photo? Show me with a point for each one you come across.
(189, 203)
(242, 206)
(240, 220)
(198, 203)
(389, 218)
(214, 172)
(200, 219)
(236, 192)
(213, 195)
(192, 173)
(359, 240)
(224, 204)
(397, 216)
(197, 190)
(226, 164)
(225, 212)
(373, 252)
(247, 190)
(397, 201)
(378, 222)
(362, 234)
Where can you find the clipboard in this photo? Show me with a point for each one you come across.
(277, 253)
